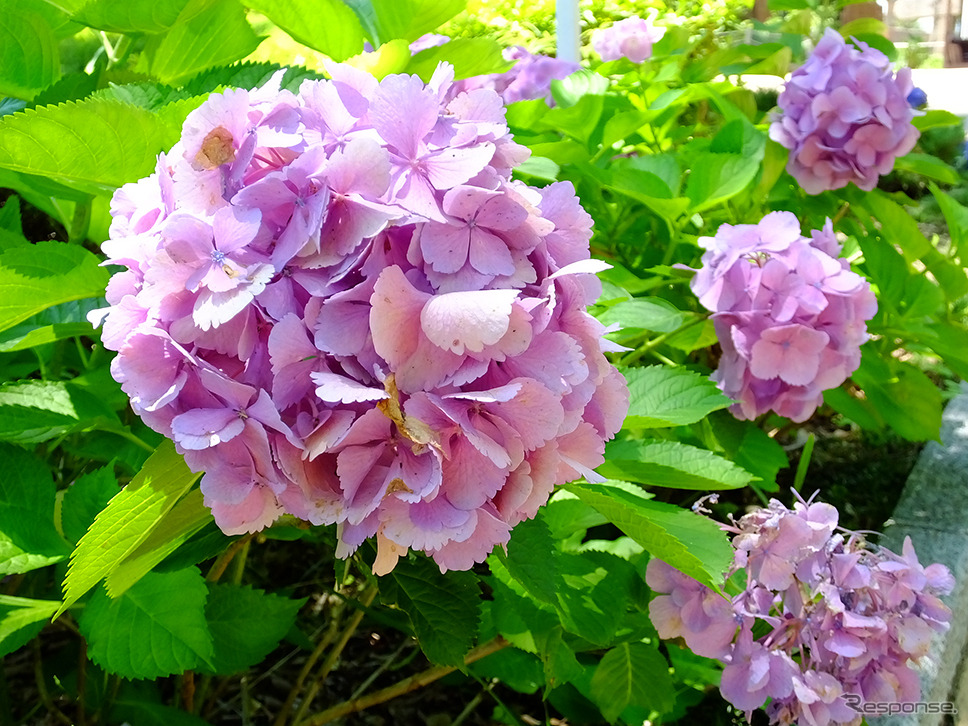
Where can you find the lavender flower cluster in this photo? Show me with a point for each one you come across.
(528, 79)
(845, 116)
(339, 305)
(631, 38)
(789, 314)
(838, 616)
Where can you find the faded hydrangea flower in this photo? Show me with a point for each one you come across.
(789, 314)
(630, 38)
(844, 116)
(339, 305)
(823, 615)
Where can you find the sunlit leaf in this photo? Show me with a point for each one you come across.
(94, 145)
(155, 629)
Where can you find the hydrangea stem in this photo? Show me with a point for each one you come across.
(365, 600)
(400, 688)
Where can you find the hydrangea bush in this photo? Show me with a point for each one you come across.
(362, 321)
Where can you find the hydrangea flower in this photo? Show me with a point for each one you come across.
(528, 79)
(630, 38)
(789, 314)
(339, 305)
(844, 116)
(833, 615)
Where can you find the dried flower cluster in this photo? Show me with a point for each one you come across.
(789, 314)
(339, 305)
(823, 615)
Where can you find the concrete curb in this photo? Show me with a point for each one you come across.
(933, 510)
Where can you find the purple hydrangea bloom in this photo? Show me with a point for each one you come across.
(844, 116)
(835, 615)
(789, 314)
(339, 305)
(529, 79)
(630, 38)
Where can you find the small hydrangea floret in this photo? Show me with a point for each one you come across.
(789, 314)
(823, 614)
(844, 116)
(340, 306)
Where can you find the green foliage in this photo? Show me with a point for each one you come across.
(230, 613)
(154, 629)
(93, 146)
(442, 609)
(38, 276)
(329, 26)
(128, 521)
(689, 542)
(632, 674)
(661, 396)
(28, 539)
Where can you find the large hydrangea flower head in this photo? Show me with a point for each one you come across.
(789, 314)
(844, 116)
(339, 305)
(825, 621)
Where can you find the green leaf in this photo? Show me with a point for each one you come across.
(632, 674)
(661, 396)
(18, 339)
(593, 591)
(328, 26)
(928, 166)
(691, 543)
(84, 499)
(36, 277)
(155, 629)
(186, 518)
(583, 82)
(956, 216)
(128, 520)
(409, 19)
(28, 538)
(33, 411)
(671, 464)
(648, 313)
(903, 396)
(10, 218)
(444, 609)
(578, 121)
(94, 145)
(231, 612)
(28, 51)
(531, 558)
(218, 35)
(936, 117)
(860, 26)
(131, 16)
(469, 56)
(21, 619)
(716, 178)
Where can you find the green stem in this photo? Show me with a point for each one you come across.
(655, 342)
(365, 600)
(400, 688)
(81, 221)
